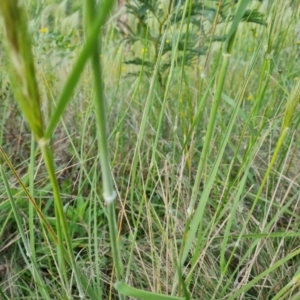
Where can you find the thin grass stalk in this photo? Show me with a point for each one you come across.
(109, 192)
(171, 73)
(245, 161)
(133, 94)
(289, 112)
(142, 128)
(265, 82)
(230, 221)
(88, 48)
(265, 273)
(162, 110)
(33, 268)
(4, 107)
(3, 295)
(287, 119)
(199, 113)
(94, 234)
(141, 133)
(37, 209)
(292, 284)
(61, 223)
(30, 204)
(31, 199)
(182, 104)
(144, 121)
(140, 294)
(26, 90)
(93, 290)
(264, 77)
(216, 101)
(258, 236)
(196, 219)
(209, 133)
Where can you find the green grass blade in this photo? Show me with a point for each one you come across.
(217, 97)
(31, 199)
(209, 133)
(126, 290)
(109, 192)
(235, 23)
(264, 274)
(3, 295)
(198, 215)
(34, 269)
(227, 232)
(84, 55)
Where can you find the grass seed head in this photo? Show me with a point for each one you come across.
(23, 72)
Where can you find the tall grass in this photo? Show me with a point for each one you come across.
(19, 49)
(200, 198)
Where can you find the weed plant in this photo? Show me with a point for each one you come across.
(151, 156)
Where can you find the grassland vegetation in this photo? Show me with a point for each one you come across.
(150, 149)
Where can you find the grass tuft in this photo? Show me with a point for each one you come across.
(166, 167)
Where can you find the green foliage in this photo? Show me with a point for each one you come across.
(204, 164)
(158, 21)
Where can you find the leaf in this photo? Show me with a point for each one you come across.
(141, 8)
(139, 62)
(235, 23)
(127, 290)
(199, 11)
(254, 16)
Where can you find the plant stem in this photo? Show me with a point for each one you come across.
(109, 192)
(62, 229)
(73, 78)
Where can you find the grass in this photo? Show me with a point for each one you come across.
(203, 155)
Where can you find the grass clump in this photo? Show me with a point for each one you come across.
(200, 148)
